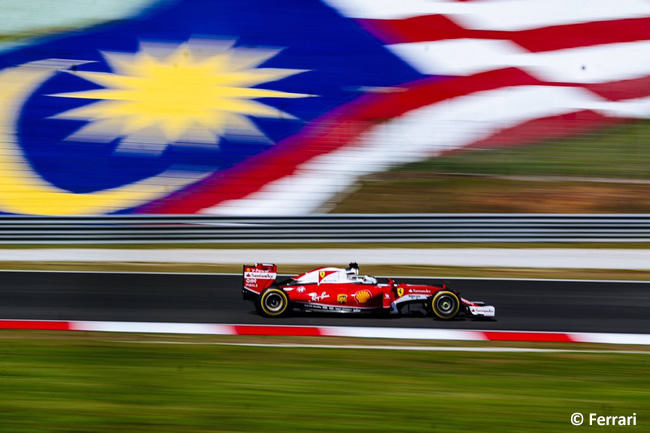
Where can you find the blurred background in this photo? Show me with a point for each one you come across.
(264, 108)
(226, 108)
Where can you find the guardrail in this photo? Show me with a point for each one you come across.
(325, 228)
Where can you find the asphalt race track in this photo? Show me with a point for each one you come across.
(210, 298)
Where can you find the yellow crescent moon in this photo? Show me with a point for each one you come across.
(22, 191)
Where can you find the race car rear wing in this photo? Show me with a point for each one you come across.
(259, 276)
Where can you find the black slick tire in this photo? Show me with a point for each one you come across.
(445, 305)
(272, 302)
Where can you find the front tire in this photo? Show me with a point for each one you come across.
(272, 302)
(445, 305)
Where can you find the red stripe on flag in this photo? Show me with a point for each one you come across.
(290, 331)
(553, 127)
(438, 27)
(621, 90)
(41, 325)
(548, 337)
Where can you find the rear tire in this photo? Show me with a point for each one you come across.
(272, 302)
(445, 305)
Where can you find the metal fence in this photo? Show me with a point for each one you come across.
(389, 228)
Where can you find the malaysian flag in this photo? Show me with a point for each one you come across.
(257, 107)
(504, 72)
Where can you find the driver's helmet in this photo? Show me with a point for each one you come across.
(353, 268)
(352, 271)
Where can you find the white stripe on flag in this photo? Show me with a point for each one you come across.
(595, 64)
(497, 14)
(632, 108)
(391, 9)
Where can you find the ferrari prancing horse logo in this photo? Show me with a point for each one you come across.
(342, 299)
(400, 292)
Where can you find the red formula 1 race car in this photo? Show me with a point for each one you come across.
(337, 290)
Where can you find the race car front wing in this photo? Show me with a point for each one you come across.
(479, 309)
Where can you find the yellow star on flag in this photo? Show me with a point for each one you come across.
(195, 92)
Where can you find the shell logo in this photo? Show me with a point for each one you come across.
(362, 296)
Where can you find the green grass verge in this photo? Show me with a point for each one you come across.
(621, 152)
(92, 385)
(379, 270)
(417, 193)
